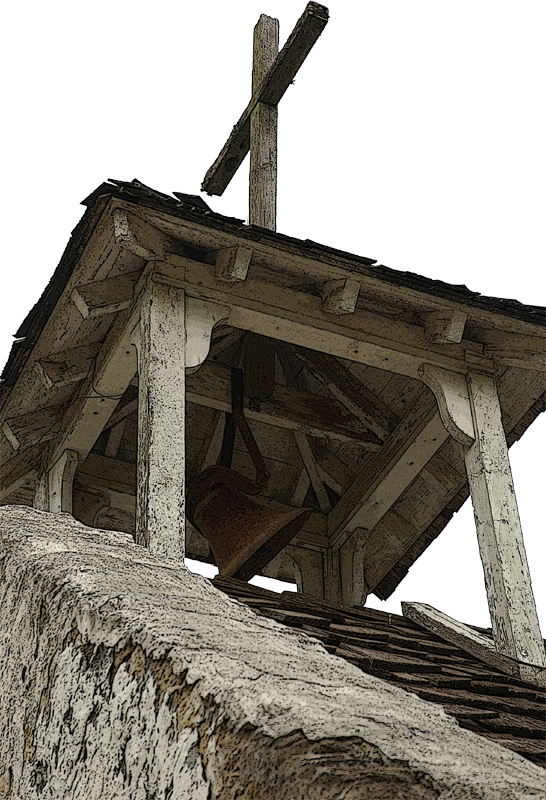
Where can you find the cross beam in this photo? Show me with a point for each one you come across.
(266, 90)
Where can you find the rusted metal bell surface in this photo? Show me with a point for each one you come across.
(243, 535)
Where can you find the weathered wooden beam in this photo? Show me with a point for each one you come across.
(352, 568)
(113, 370)
(66, 367)
(459, 634)
(114, 439)
(272, 88)
(104, 472)
(275, 310)
(514, 619)
(302, 487)
(390, 471)
(172, 337)
(521, 360)
(212, 446)
(122, 413)
(352, 393)
(37, 426)
(311, 468)
(263, 130)
(288, 408)
(222, 343)
(107, 296)
(87, 503)
(302, 442)
(469, 640)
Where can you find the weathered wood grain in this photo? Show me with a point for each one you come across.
(107, 296)
(262, 195)
(390, 471)
(270, 91)
(288, 408)
(38, 426)
(161, 421)
(514, 620)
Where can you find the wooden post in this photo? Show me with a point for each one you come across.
(263, 131)
(512, 608)
(161, 458)
(173, 337)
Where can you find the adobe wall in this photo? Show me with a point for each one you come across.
(125, 676)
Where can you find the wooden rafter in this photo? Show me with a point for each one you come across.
(355, 396)
(387, 474)
(288, 408)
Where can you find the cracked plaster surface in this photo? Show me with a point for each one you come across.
(123, 675)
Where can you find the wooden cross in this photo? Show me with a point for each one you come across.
(272, 74)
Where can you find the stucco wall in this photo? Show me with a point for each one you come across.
(125, 676)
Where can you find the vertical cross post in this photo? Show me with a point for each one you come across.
(263, 130)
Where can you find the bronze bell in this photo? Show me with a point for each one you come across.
(243, 535)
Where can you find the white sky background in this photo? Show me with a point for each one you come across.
(414, 134)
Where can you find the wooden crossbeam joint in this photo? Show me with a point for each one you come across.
(275, 83)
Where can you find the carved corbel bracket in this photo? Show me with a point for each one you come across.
(451, 392)
(200, 317)
(340, 296)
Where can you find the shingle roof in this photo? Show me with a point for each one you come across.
(192, 207)
(504, 709)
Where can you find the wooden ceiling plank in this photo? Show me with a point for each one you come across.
(66, 367)
(288, 408)
(38, 426)
(354, 395)
(19, 469)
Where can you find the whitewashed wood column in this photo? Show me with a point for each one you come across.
(470, 410)
(173, 336)
(514, 619)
